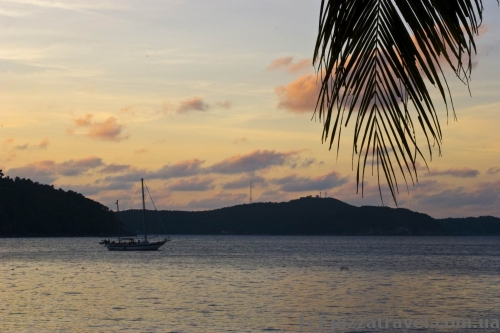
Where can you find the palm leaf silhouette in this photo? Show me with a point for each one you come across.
(373, 58)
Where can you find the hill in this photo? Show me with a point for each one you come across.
(28, 208)
(308, 216)
(305, 216)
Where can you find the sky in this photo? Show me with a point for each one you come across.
(201, 98)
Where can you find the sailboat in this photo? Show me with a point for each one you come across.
(134, 244)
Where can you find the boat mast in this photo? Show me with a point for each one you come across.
(118, 217)
(144, 211)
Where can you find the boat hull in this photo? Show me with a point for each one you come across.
(135, 247)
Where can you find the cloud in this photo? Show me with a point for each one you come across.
(287, 64)
(293, 183)
(48, 171)
(193, 104)
(485, 194)
(84, 121)
(107, 130)
(301, 95)
(243, 182)
(95, 189)
(115, 168)
(140, 151)
(8, 141)
(192, 184)
(301, 162)
(221, 199)
(256, 160)
(177, 170)
(240, 140)
(78, 167)
(461, 173)
(43, 144)
(225, 104)
(42, 171)
(280, 63)
(493, 171)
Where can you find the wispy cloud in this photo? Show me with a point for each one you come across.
(224, 104)
(240, 140)
(192, 184)
(493, 171)
(461, 173)
(483, 195)
(256, 160)
(287, 64)
(243, 182)
(89, 189)
(41, 145)
(115, 168)
(221, 199)
(177, 170)
(193, 104)
(22, 147)
(294, 183)
(47, 171)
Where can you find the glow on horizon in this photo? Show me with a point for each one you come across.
(202, 98)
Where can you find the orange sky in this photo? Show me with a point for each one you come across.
(201, 99)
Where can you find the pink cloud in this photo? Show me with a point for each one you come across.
(43, 144)
(107, 130)
(280, 63)
(83, 121)
(301, 95)
(288, 65)
(192, 104)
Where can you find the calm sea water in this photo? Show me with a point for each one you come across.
(246, 283)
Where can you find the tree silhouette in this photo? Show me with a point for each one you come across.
(373, 58)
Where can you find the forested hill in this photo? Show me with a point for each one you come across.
(32, 209)
(308, 216)
(305, 216)
(28, 208)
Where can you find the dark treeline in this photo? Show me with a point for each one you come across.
(308, 216)
(28, 208)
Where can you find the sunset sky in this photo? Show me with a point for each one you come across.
(203, 97)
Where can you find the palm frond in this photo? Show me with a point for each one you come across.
(374, 57)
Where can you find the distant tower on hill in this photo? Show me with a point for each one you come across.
(250, 192)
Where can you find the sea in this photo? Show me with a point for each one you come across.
(234, 283)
